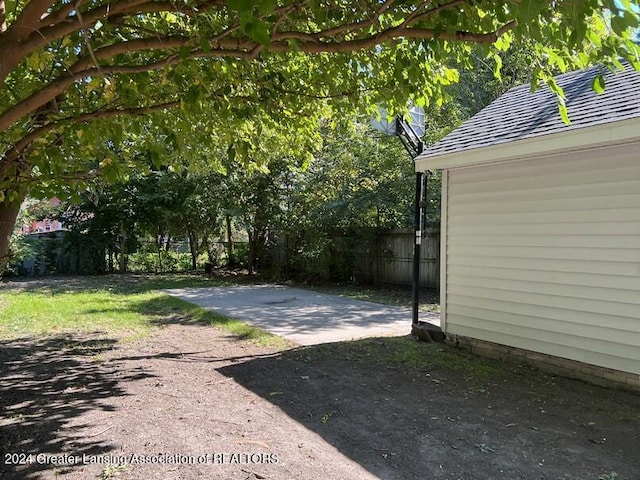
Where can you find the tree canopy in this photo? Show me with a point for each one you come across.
(87, 84)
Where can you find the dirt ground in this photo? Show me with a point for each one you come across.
(192, 402)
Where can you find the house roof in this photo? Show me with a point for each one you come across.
(520, 114)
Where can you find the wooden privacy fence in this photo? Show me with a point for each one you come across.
(388, 258)
(52, 252)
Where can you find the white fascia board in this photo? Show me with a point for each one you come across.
(620, 132)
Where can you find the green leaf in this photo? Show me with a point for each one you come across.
(564, 114)
(631, 19)
(241, 5)
(555, 88)
(504, 42)
(497, 68)
(117, 133)
(622, 23)
(256, 30)
(598, 84)
(243, 150)
(618, 64)
(193, 95)
(204, 44)
(267, 6)
(530, 9)
(452, 75)
(293, 44)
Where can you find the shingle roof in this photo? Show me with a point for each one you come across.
(520, 114)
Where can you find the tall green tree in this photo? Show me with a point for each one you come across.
(362, 183)
(103, 223)
(170, 205)
(258, 201)
(76, 76)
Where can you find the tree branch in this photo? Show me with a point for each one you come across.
(362, 24)
(438, 9)
(27, 21)
(234, 48)
(116, 112)
(320, 96)
(154, 7)
(229, 48)
(412, 17)
(19, 149)
(67, 25)
(61, 14)
(83, 69)
(313, 44)
(57, 25)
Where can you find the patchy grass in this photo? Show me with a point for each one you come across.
(610, 476)
(125, 284)
(166, 309)
(113, 471)
(127, 307)
(405, 352)
(395, 296)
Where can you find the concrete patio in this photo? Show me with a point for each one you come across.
(304, 316)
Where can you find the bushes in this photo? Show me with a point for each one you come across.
(148, 262)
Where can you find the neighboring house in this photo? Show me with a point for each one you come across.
(45, 224)
(541, 227)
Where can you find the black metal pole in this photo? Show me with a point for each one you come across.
(414, 146)
(417, 238)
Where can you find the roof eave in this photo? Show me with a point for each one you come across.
(618, 132)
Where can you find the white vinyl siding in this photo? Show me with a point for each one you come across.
(544, 254)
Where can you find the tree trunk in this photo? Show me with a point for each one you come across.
(206, 244)
(8, 215)
(159, 238)
(110, 258)
(123, 250)
(230, 259)
(193, 246)
(251, 254)
(13, 195)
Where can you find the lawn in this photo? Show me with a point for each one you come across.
(126, 307)
(389, 295)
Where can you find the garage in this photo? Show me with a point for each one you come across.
(541, 225)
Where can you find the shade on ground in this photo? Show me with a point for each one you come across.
(303, 316)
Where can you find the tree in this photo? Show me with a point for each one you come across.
(81, 81)
(170, 205)
(20, 247)
(104, 221)
(358, 185)
(361, 183)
